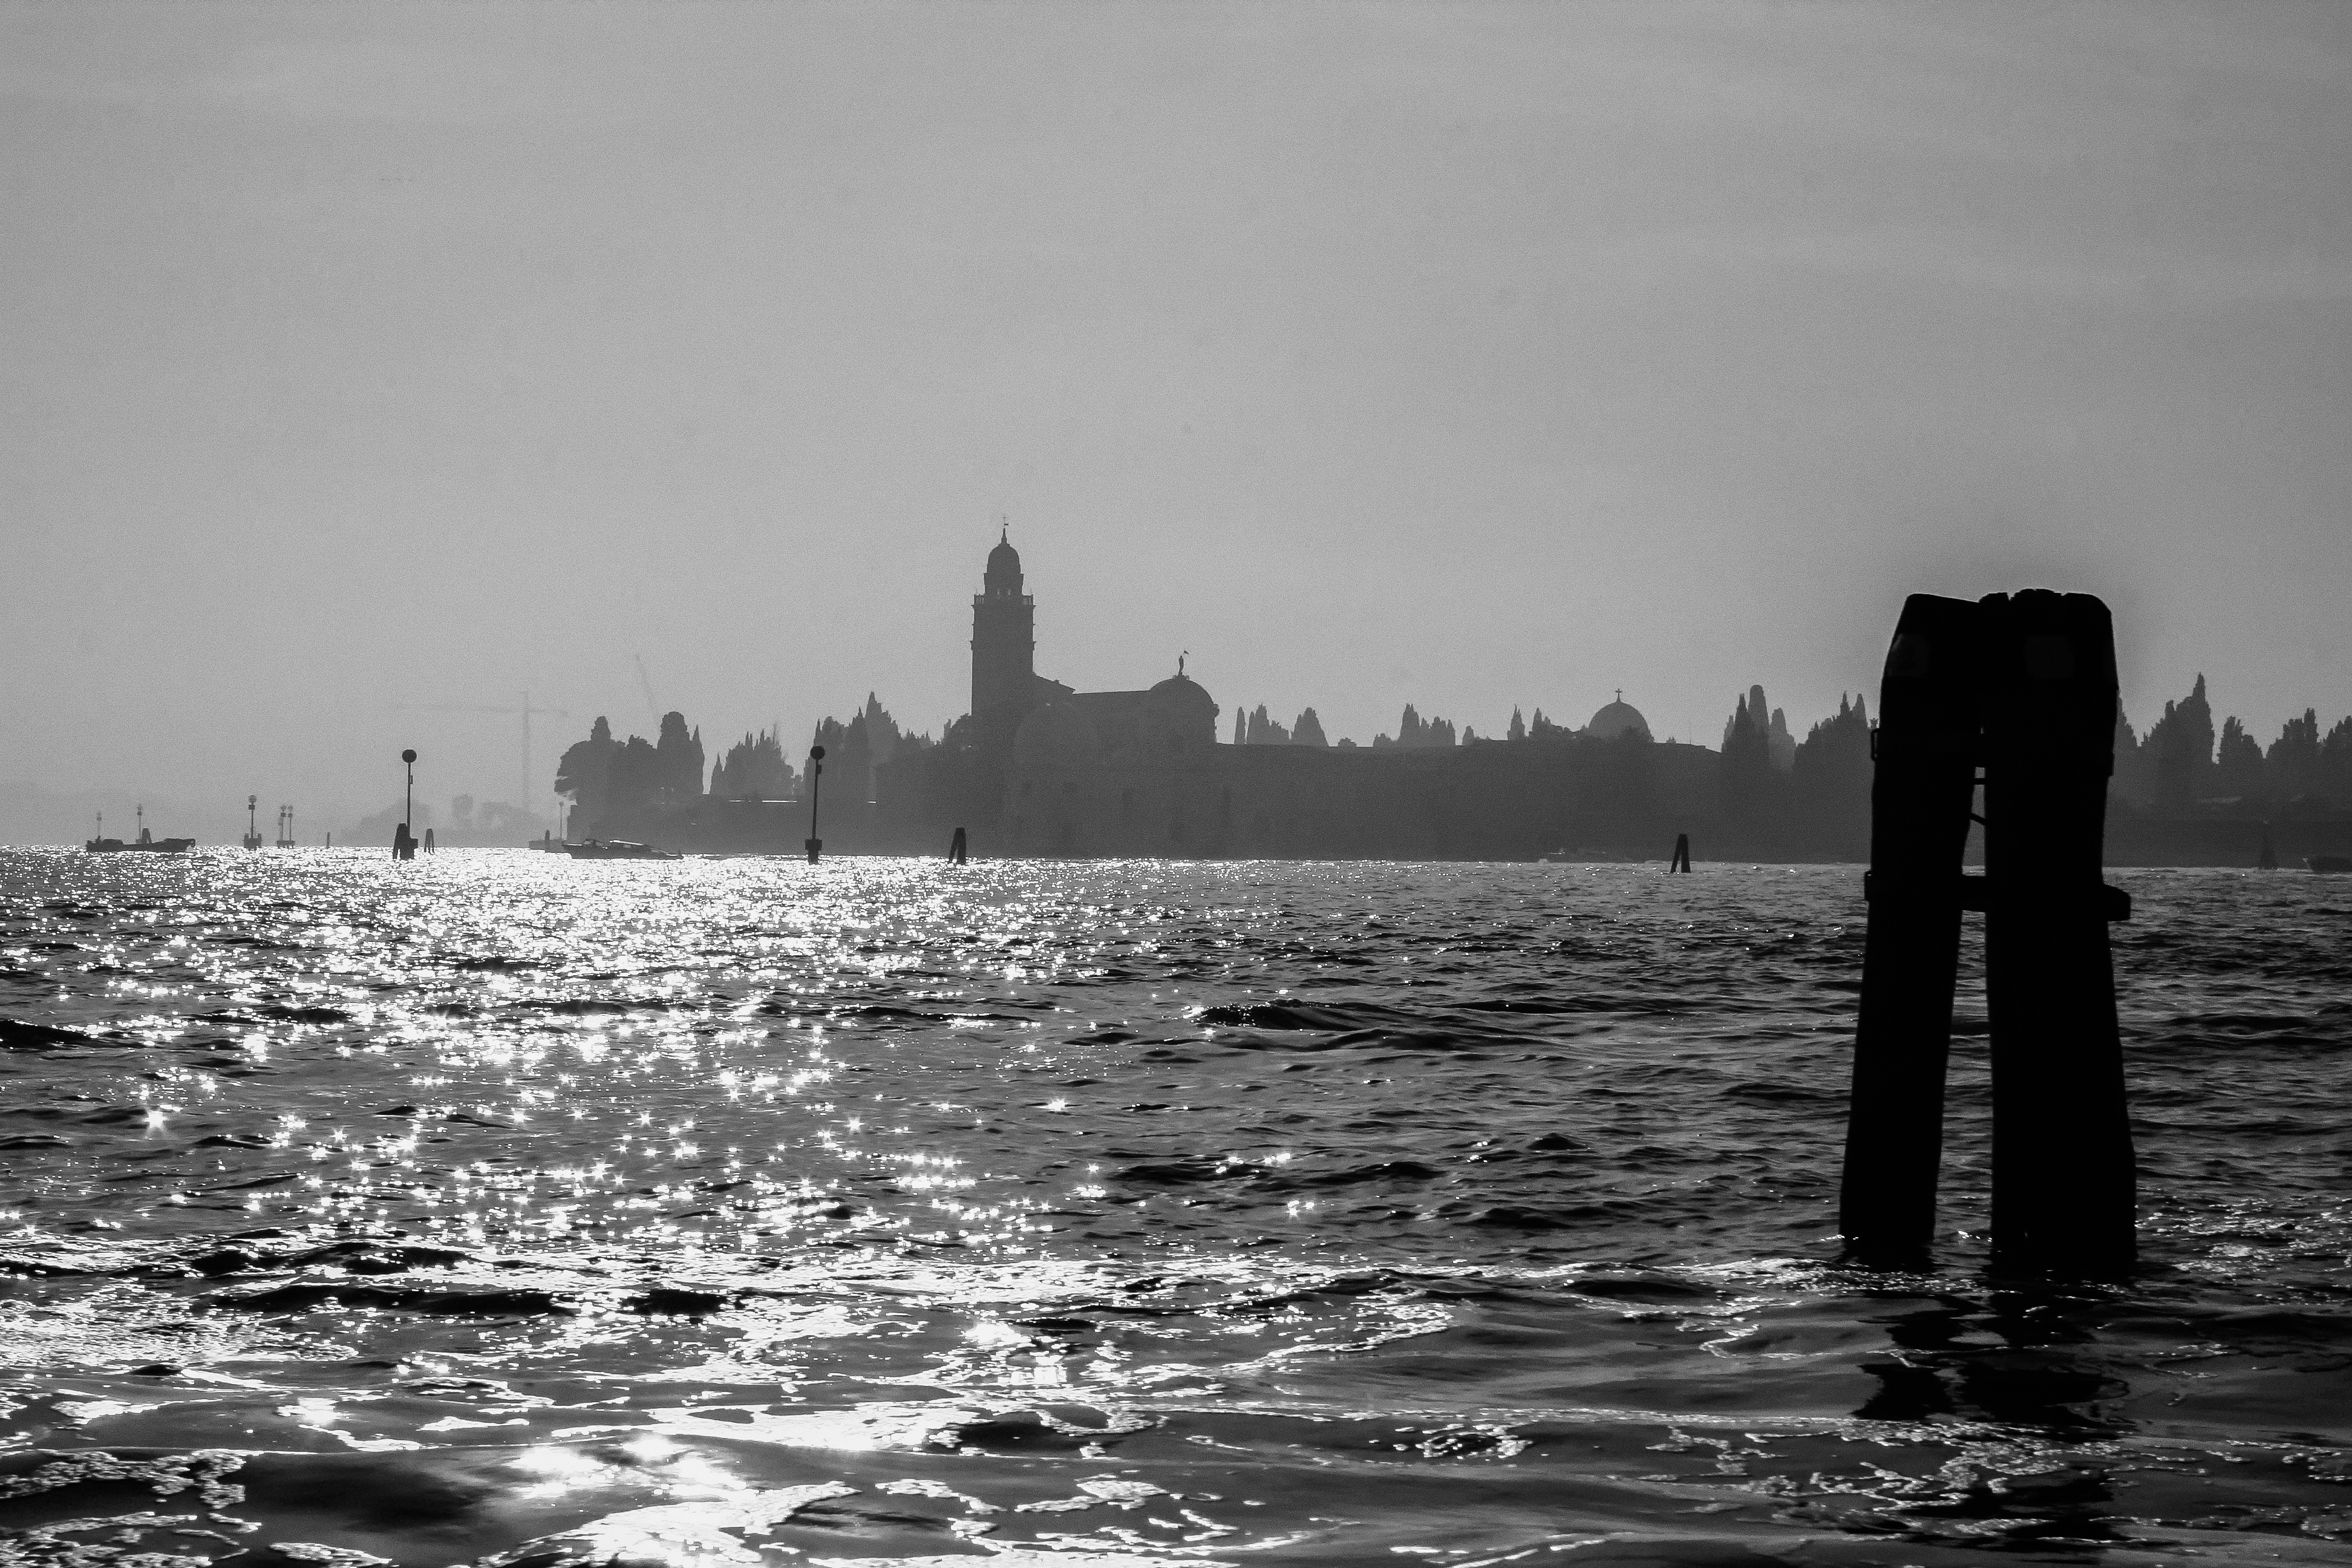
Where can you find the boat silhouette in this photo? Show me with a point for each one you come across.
(618, 849)
(146, 842)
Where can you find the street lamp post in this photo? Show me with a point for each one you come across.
(404, 843)
(817, 771)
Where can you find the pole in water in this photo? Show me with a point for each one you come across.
(404, 843)
(2063, 1187)
(815, 846)
(1923, 780)
(428, 841)
(2025, 684)
(1681, 861)
(956, 851)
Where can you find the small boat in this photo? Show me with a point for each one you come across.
(618, 850)
(146, 842)
(2330, 865)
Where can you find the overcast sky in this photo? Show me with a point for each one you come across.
(354, 356)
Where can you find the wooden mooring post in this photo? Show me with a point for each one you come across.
(2024, 685)
(1681, 861)
(2063, 1185)
(1923, 776)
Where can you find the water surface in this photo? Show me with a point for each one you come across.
(733, 1211)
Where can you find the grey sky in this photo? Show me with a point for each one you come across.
(1461, 356)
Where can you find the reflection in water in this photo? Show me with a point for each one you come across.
(499, 1203)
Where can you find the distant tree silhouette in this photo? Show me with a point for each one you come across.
(1518, 729)
(1830, 779)
(754, 768)
(604, 778)
(2291, 767)
(2132, 782)
(1745, 777)
(635, 780)
(2335, 763)
(585, 774)
(1308, 731)
(871, 737)
(848, 764)
(679, 756)
(1413, 729)
(2238, 764)
(2180, 749)
(1263, 731)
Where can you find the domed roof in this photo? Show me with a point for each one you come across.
(1618, 718)
(1178, 708)
(1004, 573)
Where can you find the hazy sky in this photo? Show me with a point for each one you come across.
(360, 355)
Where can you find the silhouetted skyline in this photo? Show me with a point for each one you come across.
(1040, 767)
(368, 360)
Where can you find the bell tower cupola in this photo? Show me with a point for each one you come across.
(1003, 642)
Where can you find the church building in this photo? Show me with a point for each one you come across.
(1039, 768)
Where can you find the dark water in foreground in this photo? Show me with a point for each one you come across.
(741, 1212)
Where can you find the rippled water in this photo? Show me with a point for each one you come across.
(734, 1210)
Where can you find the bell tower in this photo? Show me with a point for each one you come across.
(1003, 642)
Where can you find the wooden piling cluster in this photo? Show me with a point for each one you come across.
(2023, 687)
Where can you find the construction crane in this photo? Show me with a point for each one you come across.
(526, 710)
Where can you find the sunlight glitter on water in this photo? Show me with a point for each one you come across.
(1347, 1209)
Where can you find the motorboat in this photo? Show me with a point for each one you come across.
(618, 849)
